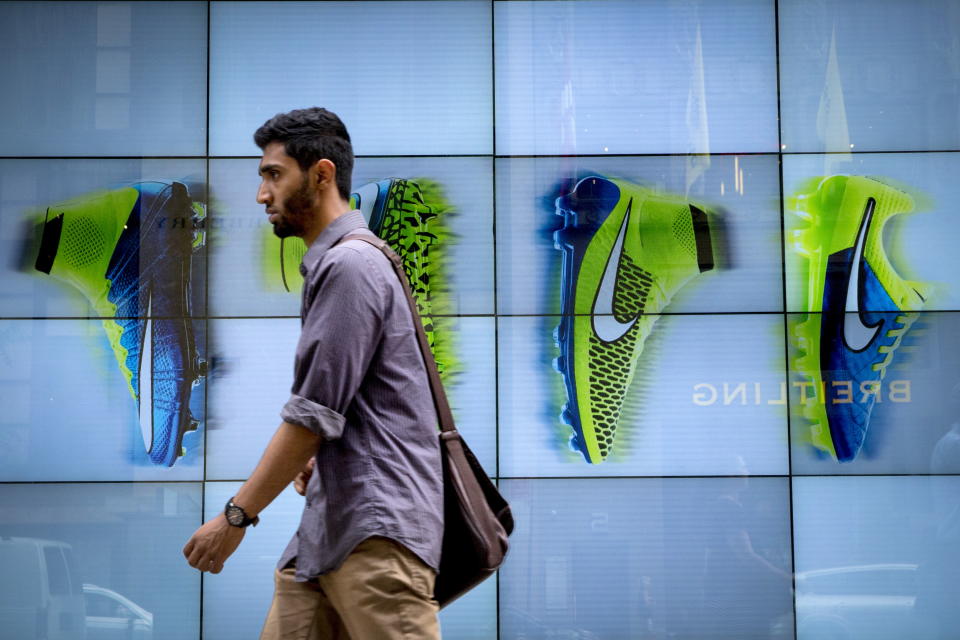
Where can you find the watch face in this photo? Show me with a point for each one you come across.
(234, 515)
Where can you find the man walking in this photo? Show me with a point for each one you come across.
(359, 432)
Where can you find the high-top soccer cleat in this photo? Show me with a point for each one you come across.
(410, 216)
(129, 251)
(626, 252)
(859, 307)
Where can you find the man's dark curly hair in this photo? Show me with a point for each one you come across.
(309, 135)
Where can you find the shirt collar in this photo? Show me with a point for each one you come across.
(330, 236)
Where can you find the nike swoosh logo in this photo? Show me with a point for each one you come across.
(605, 325)
(856, 333)
(145, 377)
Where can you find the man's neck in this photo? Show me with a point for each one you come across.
(325, 215)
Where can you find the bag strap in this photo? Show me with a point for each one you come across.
(436, 386)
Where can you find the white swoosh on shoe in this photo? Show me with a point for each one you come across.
(605, 325)
(856, 334)
(145, 378)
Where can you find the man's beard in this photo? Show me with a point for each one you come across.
(296, 211)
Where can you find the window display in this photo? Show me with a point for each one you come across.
(688, 269)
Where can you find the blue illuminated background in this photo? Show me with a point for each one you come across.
(713, 517)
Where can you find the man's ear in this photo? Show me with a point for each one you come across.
(326, 174)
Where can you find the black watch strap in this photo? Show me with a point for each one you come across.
(237, 517)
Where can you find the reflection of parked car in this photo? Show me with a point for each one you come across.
(866, 601)
(110, 616)
(40, 593)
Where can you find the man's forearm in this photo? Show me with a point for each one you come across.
(289, 450)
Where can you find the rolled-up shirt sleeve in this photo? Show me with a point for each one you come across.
(343, 313)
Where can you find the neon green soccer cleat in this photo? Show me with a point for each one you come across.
(626, 252)
(129, 252)
(859, 306)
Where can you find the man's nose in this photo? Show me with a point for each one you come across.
(263, 196)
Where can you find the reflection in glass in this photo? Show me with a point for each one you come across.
(684, 558)
(40, 588)
(110, 614)
(876, 557)
(86, 549)
(412, 78)
(623, 77)
(840, 92)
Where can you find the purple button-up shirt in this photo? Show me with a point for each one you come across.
(360, 383)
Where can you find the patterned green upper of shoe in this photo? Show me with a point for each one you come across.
(80, 236)
(659, 253)
(832, 208)
(628, 251)
(90, 228)
(411, 216)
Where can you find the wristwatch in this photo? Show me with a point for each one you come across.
(237, 517)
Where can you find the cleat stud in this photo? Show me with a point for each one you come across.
(575, 444)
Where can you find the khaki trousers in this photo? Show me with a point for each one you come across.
(382, 591)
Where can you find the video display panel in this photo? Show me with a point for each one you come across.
(450, 199)
(67, 226)
(627, 77)
(876, 556)
(624, 558)
(721, 254)
(411, 78)
(236, 601)
(85, 559)
(253, 371)
(707, 396)
(892, 414)
(647, 351)
(109, 258)
(103, 78)
(909, 238)
(63, 374)
(841, 90)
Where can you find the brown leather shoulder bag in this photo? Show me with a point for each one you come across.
(477, 519)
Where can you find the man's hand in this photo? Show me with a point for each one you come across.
(212, 544)
(300, 482)
(287, 455)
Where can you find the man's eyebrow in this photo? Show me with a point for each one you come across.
(267, 167)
